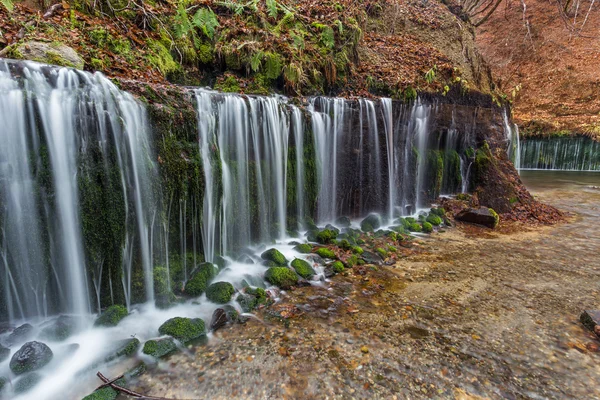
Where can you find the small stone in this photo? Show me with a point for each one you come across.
(349, 341)
(364, 349)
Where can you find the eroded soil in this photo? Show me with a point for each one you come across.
(470, 313)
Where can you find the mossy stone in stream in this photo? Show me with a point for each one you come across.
(303, 248)
(372, 222)
(27, 382)
(106, 393)
(439, 211)
(59, 329)
(123, 348)
(252, 298)
(303, 268)
(357, 250)
(30, 357)
(159, 347)
(344, 222)
(282, 277)
(326, 236)
(4, 353)
(344, 244)
(183, 329)
(337, 267)
(220, 292)
(415, 227)
(21, 334)
(434, 219)
(275, 256)
(200, 279)
(111, 316)
(410, 221)
(427, 227)
(3, 381)
(404, 222)
(325, 252)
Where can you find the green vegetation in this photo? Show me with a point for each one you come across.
(325, 252)
(303, 268)
(303, 248)
(282, 277)
(112, 316)
(415, 227)
(427, 227)
(357, 250)
(337, 267)
(381, 252)
(326, 236)
(200, 279)
(496, 217)
(183, 329)
(434, 219)
(159, 348)
(220, 292)
(275, 256)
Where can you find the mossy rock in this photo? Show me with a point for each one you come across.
(111, 316)
(183, 329)
(4, 353)
(303, 268)
(123, 348)
(404, 222)
(21, 334)
(357, 250)
(496, 217)
(415, 227)
(439, 211)
(200, 279)
(337, 267)
(427, 227)
(344, 222)
(344, 244)
(49, 53)
(59, 329)
(220, 292)
(27, 382)
(160, 347)
(252, 298)
(326, 236)
(105, 393)
(3, 382)
(303, 248)
(30, 357)
(372, 222)
(325, 252)
(282, 277)
(410, 221)
(434, 219)
(275, 256)
(352, 261)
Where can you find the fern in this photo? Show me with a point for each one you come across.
(328, 37)
(182, 25)
(206, 20)
(430, 75)
(8, 4)
(273, 65)
(272, 8)
(298, 41)
(256, 60)
(339, 26)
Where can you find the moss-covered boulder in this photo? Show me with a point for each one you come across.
(59, 329)
(371, 223)
(123, 348)
(200, 279)
(415, 227)
(357, 250)
(282, 277)
(160, 347)
(111, 316)
(21, 334)
(337, 267)
(4, 353)
(303, 268)
(325, 252)
(251, 298)
(434, 219)
(275, 256)
(3, 382)
(480, 216)
(220, 292)
(27, 382)
(427, 227)
(105, 393)
(30, 357)
(326, 236)
(48, 53)
(344, 222)
(382, 253)
(303, 248)
(183, 329)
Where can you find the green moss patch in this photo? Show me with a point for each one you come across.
(282, 277)
(200, 279)
(303, 268)
(220, 292)
(183, 329)
(159, 348)
(325, 252)
(275, 256)
(111, 316)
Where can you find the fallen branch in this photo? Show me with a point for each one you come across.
(112, 384)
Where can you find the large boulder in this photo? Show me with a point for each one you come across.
(30, 357)
(282, 277)
(275, 256)
(371, 223)
(111, 316)
(220, 292)
(159, 347)
(200, 279)
(183, 329)
(480, 216)
(21, 334)
(303, 268)
(251, 298)
(49, 53)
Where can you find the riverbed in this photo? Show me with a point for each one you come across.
(470, 313)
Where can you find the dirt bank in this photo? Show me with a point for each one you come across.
(469, 313)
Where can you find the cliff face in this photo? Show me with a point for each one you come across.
(554, 56)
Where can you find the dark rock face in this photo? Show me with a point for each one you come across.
(480, 216)
(371, 258)
(21, 334)
(219, 319)
(30, 357)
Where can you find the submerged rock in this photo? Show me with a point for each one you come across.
(480, 216)
(30, 357)
(220, 292)
(275, 256)
(124, 348)
(282, 277)
(21, 334)
(27, 382)
(60, 329)
(159, 347)
(303, 268)
(252, 298)
(245, 259)
(183, 329)
(200, 279)
(3, 381)
(111, 316)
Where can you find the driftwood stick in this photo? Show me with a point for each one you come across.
(108, 382)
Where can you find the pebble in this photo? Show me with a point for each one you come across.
(349, 341)
(364, 349)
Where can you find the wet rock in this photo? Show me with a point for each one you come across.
(27, 382)
(30, 357)
(344, 222)
(282, 277)
(112, 316)
(3, 382)
(124, 348)
(160, 347)
(218, 320)
(480, 216)
(183, 329)
(21, 334)
(245, 259)
(60, 329)
(324, 252)
(220, 262)
(315, 259)
(326, 236)
(200, 279)
(275, 256)
(371, 223)
(4, 353)
(337, 267)
(220, 292)
(371, 258)
(252, 298)
(303, 248)
(590, 319)
(303, 268)
(50, 53)
(328, 271)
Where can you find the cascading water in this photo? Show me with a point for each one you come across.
(569, 154)
(512, 136)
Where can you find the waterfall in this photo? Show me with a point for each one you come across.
(68, 136)
(512, 136)
(386, 107)
(298, 127)
(568, 153)
(420, 131)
